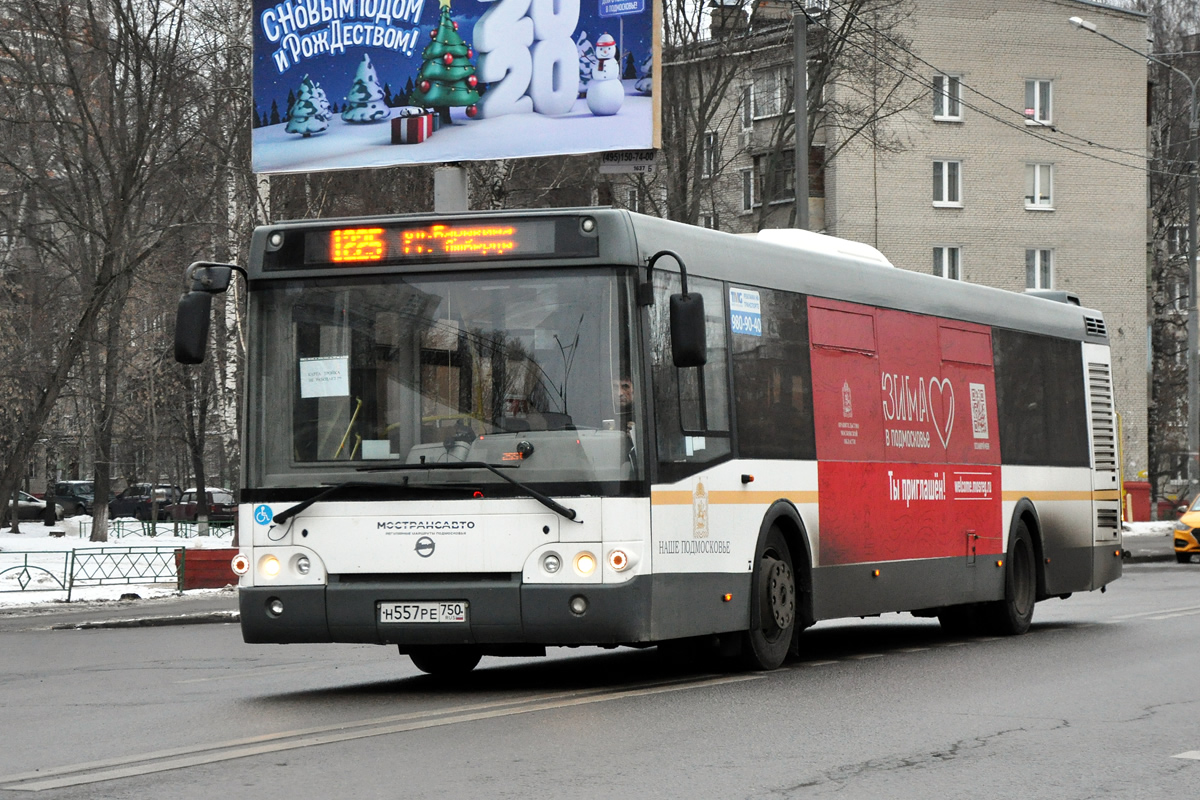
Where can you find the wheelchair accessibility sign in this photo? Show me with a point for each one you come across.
(263, 515)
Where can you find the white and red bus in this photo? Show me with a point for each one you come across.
(490, 433)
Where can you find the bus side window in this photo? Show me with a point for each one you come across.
(772, 374)
(691, 406)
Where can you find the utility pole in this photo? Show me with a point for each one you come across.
(800, 109)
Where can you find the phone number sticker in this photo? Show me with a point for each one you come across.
(745, 312)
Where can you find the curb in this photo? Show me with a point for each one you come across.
(151, 622)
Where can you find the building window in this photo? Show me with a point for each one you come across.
(747, 110)
(946, 263)
(947, 183)
(1179, 296)
(771, 89)
(632, 200)
(1177, 241)
(1037, 102)
(780, 184)
(748, 198)
(710, 154)
(1039, 185)
(1039, 269)
(708, 221)
(947, 97)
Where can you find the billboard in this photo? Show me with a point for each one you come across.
(346, 84)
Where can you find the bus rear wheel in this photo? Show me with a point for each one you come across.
(445, 659)
(1013, 615)
(773, 616)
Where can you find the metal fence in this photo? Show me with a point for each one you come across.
(120, 528)
(63, 570)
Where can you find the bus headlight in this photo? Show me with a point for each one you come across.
(303, 565)
(551, 562)
(269, 566)
(585, 564)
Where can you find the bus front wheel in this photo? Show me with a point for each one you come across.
(445, 659)
(1012, 615)
(773, 615)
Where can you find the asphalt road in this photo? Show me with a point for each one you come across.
(1094, 702)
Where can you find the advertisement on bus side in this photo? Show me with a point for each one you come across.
(907, 438)
(345, 84)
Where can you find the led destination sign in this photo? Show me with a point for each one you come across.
(475, 240)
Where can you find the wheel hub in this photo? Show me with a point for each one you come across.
(778, 595)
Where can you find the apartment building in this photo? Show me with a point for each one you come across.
(1013, 154)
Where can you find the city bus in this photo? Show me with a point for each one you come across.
(490, 433)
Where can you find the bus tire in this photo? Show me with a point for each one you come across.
(445, 659)
(1012, 615)
(773, 609)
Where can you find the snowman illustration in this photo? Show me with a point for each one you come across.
(605, 93)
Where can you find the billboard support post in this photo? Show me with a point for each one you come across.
(449, 188)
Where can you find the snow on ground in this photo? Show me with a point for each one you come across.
(47, 548)
(1150, 530)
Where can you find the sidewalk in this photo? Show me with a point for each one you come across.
(188, 608)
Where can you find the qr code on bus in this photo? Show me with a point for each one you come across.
(979, 422)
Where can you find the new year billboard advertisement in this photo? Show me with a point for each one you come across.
(344, 84)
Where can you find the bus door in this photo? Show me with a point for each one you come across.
(1106, 476)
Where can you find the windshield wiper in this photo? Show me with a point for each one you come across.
(284, 516)
(549, 503)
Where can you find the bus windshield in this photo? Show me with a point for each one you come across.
(521, 369)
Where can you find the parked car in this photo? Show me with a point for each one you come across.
(221, 506)
(76, 497)
(1187, 533)
(136, 500)
(30, 507)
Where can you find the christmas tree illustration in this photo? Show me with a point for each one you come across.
(447, 76)
(309, 112)
(364, 101)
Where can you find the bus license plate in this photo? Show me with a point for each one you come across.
(435, 611)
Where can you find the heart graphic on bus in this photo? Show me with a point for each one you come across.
(943, 388)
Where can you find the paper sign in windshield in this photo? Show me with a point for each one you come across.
(325, 377)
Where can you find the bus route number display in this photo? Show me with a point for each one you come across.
(483, 240)
(745, 312)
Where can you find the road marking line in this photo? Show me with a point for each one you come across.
(1156, 611)
(178, 758)
(1194, 755)
(1191, 613)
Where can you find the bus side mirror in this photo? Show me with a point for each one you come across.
(192, 316)
(209, 277)
(191, 327)
(689, 347)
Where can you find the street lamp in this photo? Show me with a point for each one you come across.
(1193, 327)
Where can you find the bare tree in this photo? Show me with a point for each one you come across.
(716, 60)
(96, 118)
(1173, 26)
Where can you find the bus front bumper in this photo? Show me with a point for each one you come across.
(498, 612)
